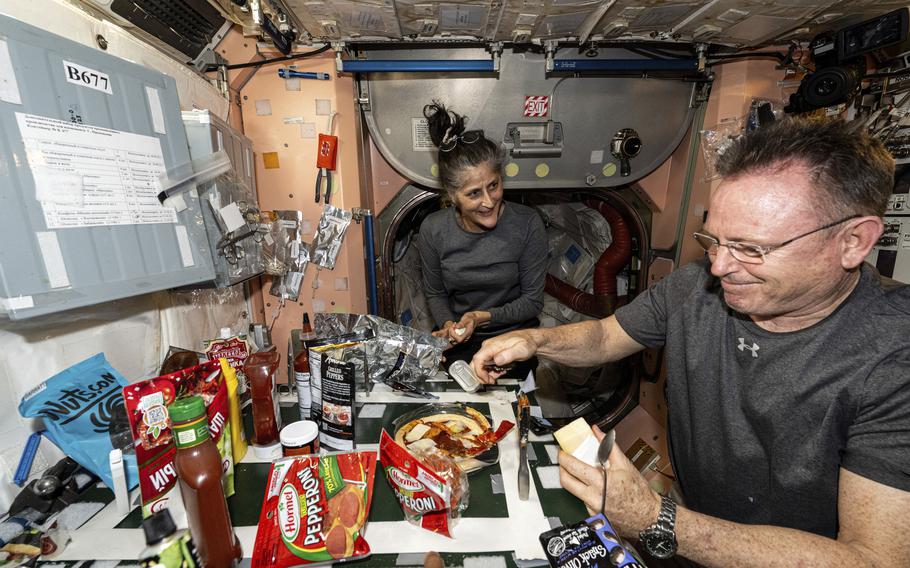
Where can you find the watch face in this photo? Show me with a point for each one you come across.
(658, 543)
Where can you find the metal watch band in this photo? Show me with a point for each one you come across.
(666, 519)
(659, 539)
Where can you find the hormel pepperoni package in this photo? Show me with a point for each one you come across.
(315, 510)
(146, 406)
(430, 487)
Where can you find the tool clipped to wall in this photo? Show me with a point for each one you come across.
(294, 74)
(326, 151)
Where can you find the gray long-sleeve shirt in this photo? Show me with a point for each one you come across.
(500, 271)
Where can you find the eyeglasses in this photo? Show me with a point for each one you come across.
(468, 137)
(751, 253)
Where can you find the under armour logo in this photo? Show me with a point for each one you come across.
(753, 348)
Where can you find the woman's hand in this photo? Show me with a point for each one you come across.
(445, 332)
(631, 503)
(464, 329)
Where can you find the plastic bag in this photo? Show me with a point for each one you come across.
(423, 352)
(329, 236)
(715, 142)
(432, 490)
(315, 510)
(84, 415)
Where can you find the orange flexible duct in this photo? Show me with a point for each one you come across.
(603, 301)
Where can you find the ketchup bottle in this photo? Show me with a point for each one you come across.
(302, 370)
(198, 465)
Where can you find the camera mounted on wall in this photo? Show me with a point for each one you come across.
(840, 63)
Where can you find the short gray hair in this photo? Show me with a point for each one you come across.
(851, 170)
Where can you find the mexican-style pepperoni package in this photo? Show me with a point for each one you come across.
(315, 510)
(430, 487)
(146, 406)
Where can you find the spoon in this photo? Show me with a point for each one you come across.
(603, 456)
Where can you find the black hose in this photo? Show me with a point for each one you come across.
(322, 49)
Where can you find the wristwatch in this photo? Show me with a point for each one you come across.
(659, 539)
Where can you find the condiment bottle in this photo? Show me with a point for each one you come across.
(260, 370)
(198, 465)
(302, 370)
(166, 547)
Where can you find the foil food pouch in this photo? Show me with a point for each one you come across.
(329, 235)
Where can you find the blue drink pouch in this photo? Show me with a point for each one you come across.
(84, 414)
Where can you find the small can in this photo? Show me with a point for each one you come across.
(300, 438)
(464, 376)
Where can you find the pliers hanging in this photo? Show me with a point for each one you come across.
(326, 174)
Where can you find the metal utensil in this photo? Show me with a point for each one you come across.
(603, 456)
(524, 423)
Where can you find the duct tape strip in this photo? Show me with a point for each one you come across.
(484, 562)
(554, 522)
(156, 110)
(496, 484)
(372, 411)
(549, 476)
(183, 242)
(552, 452)
(9, 86)
(53, 259)
(410, 559)
(532, 455)
(18, 303)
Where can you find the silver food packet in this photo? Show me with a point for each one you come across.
(288, 286)
(329, 235)
(423, 351)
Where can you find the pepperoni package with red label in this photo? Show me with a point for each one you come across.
(146, 406)
(315, 510)
(429, 485)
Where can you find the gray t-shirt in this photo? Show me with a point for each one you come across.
(501, 271)
(761, 422)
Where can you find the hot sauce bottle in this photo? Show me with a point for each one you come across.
(302, 370)
(198, 465)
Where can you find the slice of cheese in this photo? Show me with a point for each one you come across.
(416, 433)
(424, 444)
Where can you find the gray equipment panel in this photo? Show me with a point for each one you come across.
(207, 134)
(45, 269)
(586, 111)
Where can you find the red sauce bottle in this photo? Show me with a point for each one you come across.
(260, 369)
(198, 465)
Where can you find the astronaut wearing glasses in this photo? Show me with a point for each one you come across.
(788, 367)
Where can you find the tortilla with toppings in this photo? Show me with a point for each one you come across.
(461, 436)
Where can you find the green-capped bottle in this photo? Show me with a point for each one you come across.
(198, 465)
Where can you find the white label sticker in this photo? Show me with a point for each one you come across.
(176, 201)
(264, 107)
(597, 156)
(183, 241)
(53, 259)
(87, 77)
(186, 436)
(323, 107)
(420, 136)
(156, 110)
(308, 130)
(233, 218)
(118, 173)
(9, 87)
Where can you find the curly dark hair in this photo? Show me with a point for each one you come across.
(454, 162)
(852, 172)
